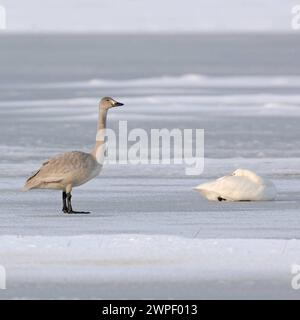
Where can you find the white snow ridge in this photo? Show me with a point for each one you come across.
(125, 266)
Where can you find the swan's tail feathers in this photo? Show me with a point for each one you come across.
(29, 186)
(208, 194)
(202, 187)
(26, 188)
(41, 183)
(31, 182)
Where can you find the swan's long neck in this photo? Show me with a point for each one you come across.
(99, 149)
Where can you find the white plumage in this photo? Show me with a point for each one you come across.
(241, 185)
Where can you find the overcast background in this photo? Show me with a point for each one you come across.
(148, 15)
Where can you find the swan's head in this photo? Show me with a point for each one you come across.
(247, 173)
(108, 102)
(242, 173)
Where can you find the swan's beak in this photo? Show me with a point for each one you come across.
(118, 104)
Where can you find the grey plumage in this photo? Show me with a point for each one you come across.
(67, 170)
(72, 169)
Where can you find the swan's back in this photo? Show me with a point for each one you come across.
(71, 167)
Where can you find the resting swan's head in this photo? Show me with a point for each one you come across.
(108, 102)
(248, 174)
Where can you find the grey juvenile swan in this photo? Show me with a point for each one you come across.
(72, 169)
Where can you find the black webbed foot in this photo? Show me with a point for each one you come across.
(221, 199)
(67, 205)
(77, 212)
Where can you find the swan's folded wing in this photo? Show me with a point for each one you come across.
(232, 188)
(57, 168)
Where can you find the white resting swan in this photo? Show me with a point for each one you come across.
(72, 169)
(241, 185)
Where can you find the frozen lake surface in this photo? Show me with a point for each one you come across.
(149, 234)
(148, 266)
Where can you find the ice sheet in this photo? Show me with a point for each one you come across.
(149, 234)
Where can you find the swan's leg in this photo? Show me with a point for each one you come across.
(69, 204)
(64, 197)
(221, 199)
